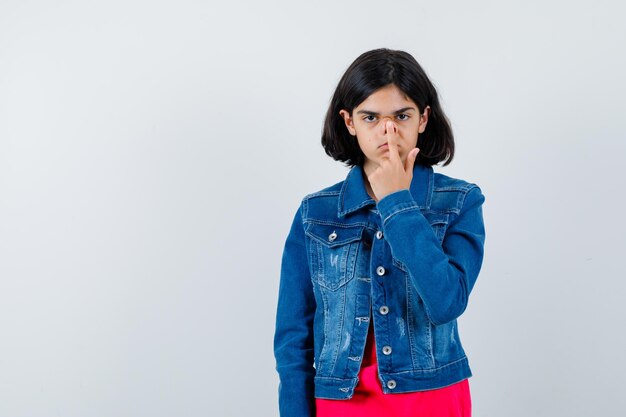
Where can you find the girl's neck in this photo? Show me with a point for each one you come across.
(365, 170)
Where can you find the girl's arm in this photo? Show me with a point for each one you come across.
(443, 274)
(293, 338)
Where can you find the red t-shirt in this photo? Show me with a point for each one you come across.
(370, 401)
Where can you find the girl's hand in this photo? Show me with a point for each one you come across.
(392, 174)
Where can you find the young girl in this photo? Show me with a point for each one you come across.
(377, 268)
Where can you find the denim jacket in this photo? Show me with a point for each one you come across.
(408, 262)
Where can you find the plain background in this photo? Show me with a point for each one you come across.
(152, 155)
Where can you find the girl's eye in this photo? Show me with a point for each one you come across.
(402, 117)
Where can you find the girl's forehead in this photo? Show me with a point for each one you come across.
(387, 97)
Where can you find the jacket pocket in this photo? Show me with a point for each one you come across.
(333, 253)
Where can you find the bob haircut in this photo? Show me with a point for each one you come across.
(373, 70)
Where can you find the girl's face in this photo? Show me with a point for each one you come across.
(369, 120)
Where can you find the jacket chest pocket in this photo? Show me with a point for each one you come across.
(333, 253)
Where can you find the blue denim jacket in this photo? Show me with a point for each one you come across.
(408, 262)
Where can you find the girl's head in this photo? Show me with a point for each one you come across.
(381, 85)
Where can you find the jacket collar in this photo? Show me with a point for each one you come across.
(353, 194)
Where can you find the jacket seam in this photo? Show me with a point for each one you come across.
(338, 224)
(340, 331)
(398, 211)
(321, 194)
(435, 369)
(409, 320)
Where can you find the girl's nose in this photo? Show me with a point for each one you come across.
(384, 125)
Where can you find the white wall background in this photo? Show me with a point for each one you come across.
(152, 154)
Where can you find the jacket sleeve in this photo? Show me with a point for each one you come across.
(443, 273)
(293, 337)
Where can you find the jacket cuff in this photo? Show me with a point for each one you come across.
(394, 203)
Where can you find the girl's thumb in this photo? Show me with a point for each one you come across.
(410, 160)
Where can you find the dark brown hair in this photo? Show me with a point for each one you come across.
(373, 70)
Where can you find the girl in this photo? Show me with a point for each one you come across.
(377, 268)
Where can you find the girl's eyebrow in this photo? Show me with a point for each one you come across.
(372, 113)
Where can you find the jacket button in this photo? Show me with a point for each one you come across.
(391, 384)
(332, 236)
(380, 270)
(384, 310)
(387, 350)
(379, 235)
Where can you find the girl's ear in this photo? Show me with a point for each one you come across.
(348, 121)
(424, 119)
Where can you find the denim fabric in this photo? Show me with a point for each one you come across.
(408, 262)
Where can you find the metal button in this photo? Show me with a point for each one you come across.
(379, 235)
(391, 384)
(380, 270)
(387, 350)
(332, 236)
(384, 310)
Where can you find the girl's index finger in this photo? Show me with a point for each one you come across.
(392, 140)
